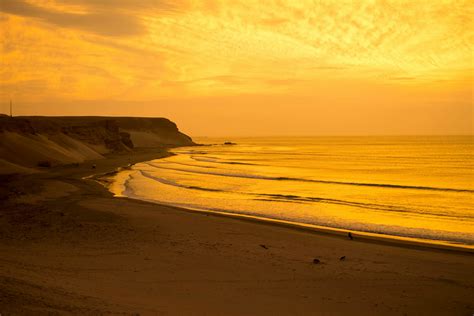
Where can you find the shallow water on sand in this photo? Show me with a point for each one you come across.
(419, 187)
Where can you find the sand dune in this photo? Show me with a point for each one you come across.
(7, 167)
(28, 150)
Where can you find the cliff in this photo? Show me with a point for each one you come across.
(28, 141)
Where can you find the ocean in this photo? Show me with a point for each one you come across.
(410, 187)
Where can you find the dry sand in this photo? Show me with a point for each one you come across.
(68, 247)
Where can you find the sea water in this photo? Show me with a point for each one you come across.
(416, 187)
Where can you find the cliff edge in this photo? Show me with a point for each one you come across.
(28, 142)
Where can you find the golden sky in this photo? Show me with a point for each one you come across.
(243, 67)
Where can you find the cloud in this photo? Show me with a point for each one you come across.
(119, 46)
(402, 78)
(107, 23)
(148, 49)
(274, 21)
(328, 67)
(161, 5)
(31, 86)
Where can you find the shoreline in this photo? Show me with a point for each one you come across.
(316, 229)
(367, 237)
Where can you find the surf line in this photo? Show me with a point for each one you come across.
(363, 184)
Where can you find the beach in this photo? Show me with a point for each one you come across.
(416, 188)
(236, 157)
(68, 246)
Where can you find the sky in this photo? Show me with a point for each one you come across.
(245, 67)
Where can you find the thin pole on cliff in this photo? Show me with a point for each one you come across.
(11, 111)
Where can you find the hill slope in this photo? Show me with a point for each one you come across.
(27, 141)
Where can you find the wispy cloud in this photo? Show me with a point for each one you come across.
(109, 23)
(402, 78)
(154, 48)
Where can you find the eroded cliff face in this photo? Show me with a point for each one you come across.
(151, 132)
(26, 141)
(104, 133)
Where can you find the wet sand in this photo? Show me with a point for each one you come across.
(68, 246)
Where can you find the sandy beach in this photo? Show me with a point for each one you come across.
(68, 247)
(236, 157)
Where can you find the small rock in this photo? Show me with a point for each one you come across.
(316, 261)
(342, 258)
(264, 247)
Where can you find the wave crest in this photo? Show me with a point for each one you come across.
(362, 184)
